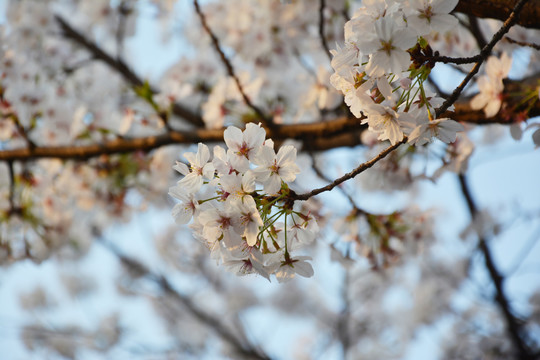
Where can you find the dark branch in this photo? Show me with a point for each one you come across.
(474, 28)
(522, 43)
(513, 326)
(246, 350)
(121, 67)
(230, 70)
(500, 10)
(486, 50)
(321, 30)
(351, 174)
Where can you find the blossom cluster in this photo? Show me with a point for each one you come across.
(385, 239)
(381, 84)
(242, 207)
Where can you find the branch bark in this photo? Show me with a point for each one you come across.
(501, 9)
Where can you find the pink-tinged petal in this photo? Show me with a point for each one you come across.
(288, 173)
(181, 168)
(492, 108)
(208, 171)
(404, 39)
(179, 193)
(273, 185)
(417, 136)
(264, 157)
(284, 274)
(384, 87)
(399, 62)
(286, 154)
(191, 182)
(262, 174)
(251, 232)
(451, 125)
(443, 6)
(254, 135)
(191, 157)
(479, 101)
(248, 182)
(203, 154)
(303, 268)
(233, 138)
(182, 213)
(444, 23)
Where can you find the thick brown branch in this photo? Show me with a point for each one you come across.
(121, 67)
(513, 326)
(501, 9)
(339, 132)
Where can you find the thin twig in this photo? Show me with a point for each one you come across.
(122, 68)
(320, 174)
(324, 44)
(484, 53)
(351, 174)
(522, 43)
(513, 326)
(123, 12)
(230, 70)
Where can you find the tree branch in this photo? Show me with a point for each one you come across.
(230, 70)
(513, 326)
(247, 350)
(486, 50)
(121, 67)
(322, 135)
(501, 9)
(363, 167)
(324, 44)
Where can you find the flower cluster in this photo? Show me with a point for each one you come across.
(242, 207)
(375, 73)
(385, 239)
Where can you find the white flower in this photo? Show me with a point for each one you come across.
(388, 49)
(489, 97)
(217, 225)
(273, 169)
(498, 68)
(244, 145)
(491, 85)
(289, 268)
(247, 222)
(237, 188)
(199, 168)
(183, 212)
(444, 129)
(386, 122)
(426, 16)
